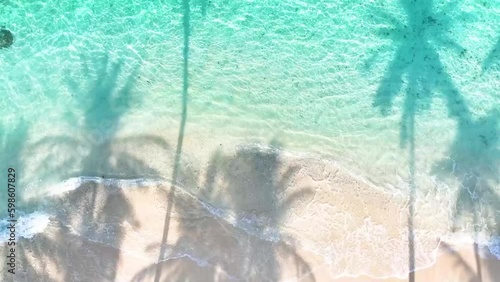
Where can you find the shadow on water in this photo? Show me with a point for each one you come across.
(493, 58)
(12, 143)
(253, 184)
(417, 67)
(178, 152)
(86, 228)
(460, 261)
(474, 160)
(102, 103)
(204, 6)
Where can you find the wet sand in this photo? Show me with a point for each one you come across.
(121, 246)
(454, 263)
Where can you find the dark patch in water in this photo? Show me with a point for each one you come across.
(6, 38)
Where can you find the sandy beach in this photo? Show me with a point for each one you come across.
(250, 213)
(199, 246)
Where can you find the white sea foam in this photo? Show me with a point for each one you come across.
(485, 242)
(75, 182)
(249, 224)
(494, 246)
(26, 226)
(36, 222)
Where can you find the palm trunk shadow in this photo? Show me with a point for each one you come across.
(180, 138)
(411, 207)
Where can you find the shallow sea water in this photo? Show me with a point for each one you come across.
(404, 95)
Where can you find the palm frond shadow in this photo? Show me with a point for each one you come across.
(417, 64)
(493, 58)
(93, 213)
(252, 184)
(102, 107)
(461, 262)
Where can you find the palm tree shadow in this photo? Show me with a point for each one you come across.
(461, 262)
(252, 185)
(474, 159)
(102, 106)
(417, 67)
(96, 210)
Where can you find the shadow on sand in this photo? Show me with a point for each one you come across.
(249, 189)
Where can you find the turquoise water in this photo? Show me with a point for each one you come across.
(406, 95)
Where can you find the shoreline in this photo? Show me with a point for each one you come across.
(311, 211)
(146, 201)
(133, 258)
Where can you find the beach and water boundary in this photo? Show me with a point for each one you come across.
(357, 216)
